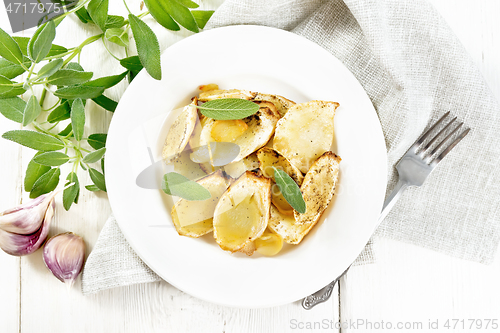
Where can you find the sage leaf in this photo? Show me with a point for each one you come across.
(132, 63)
(97, 179)
(66, 131)
(147, 45)
(117, 36)
(97, 140)
(106, 103)
(106, 81)
(98, 11)
(62, 112)
(69, 77)
(13, 93)
(178, 185)
(114, 21)
(13, 108)
(34, 140)
(9, 69)
(79, 91)
(31, 111)
(51, 158)
(9, 49)
(41, 42)
(78, 118)
(5, 85)
(75, 66)
(228, 108)
(23, 44)
(290, 190)
(92, 188)
(202, 17)
(158, 10)
(83, 15)
(33, 172)
(50, 68)
(188, 3)
(94, 156)
(70, 194)
(46, 183)
(180, 14)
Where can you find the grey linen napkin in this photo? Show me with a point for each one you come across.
(414, 69)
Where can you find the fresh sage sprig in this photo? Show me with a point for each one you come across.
(56, 131)
(290, 190)
(228, 108)
(176, 184)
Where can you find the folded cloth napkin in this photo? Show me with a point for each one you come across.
(414, 69)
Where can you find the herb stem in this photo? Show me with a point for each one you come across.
(107, 49)
(42, 97)
(125, 3)
(78, 49)
(60, 18)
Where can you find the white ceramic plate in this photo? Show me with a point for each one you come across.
(258, 59)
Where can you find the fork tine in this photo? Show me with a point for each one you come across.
(450, 147)
(426, 134)
(445, 139)
(443, 130)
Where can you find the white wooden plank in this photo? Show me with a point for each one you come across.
(415, 286)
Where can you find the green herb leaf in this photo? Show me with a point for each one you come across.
(78, 118)
(106, 103)
(158, 10)
(51, 158)
(70, 194)
(178, 185)
(75, 66)
(181, 14)
(117, 36)
(228, 108)
(83, 15)
(98, 11)
(132, 63)
(5, 85)
(94, 156)
(188, 3)
(13, 108)
(202, 17)
(34, 140)
(114, 21)
(62, 112)
(83, 92)
(50, 68)
(106, 81)
(23, 44)
(92, 188)
(147, 45)
(31, 111)
(13, 93)
(46, 183)
(97, 140)
(66, 131)
(69, 77)
(9, 69)
(290, 190)
(33, 172)
(41, 42)
(97, 179)
(9, 49)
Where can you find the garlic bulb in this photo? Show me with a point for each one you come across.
(24, 229)
(63, 255)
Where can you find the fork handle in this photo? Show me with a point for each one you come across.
(392, 199)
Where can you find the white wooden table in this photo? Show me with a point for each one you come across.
(408, 286)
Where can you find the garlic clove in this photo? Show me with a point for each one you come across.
(64, 255)
(20, 245)
(27, 218)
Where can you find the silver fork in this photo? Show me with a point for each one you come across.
(413, 169)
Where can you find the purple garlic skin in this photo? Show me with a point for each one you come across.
(17, 234)
(63, 255)
(27, 218)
